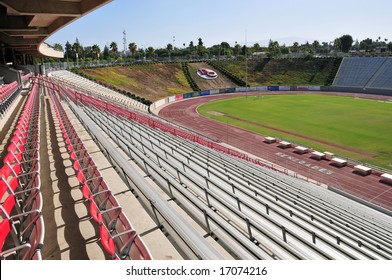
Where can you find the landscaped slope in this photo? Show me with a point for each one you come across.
(154, 81)
(150, 81)
(312, 71)
(220, 82)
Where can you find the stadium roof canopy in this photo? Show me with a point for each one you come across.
(26, 24)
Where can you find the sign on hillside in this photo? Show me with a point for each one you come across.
(207, 73)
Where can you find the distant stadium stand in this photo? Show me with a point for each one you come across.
(383, 79)
(365, 72)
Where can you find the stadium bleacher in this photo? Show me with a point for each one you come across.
(7, 96)
(234, 187)
(82, 84)
(116, 232)
(383, 78)
(22, 226)
(365, 72)
(255, 212)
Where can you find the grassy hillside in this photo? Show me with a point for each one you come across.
(220, 82)
(150, 81)
(312, 71)
(154, 81)
(352, 127)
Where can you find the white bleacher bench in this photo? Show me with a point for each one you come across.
(338, 162)
(317, 155)
(269, 140)
(363, 170)
(386, 178)
(284, 144)
(301, 150)
(328, 155)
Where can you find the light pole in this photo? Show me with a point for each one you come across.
(174, 40)
(246, 64)
(67, 60)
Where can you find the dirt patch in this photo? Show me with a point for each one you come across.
(215, 113)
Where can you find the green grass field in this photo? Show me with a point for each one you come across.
(361, 124)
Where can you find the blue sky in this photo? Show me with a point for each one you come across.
(156, 22)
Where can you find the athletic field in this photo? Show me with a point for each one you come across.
(357, 128)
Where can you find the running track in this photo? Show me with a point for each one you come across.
(367, 188)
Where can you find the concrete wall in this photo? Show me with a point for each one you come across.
(10, 75)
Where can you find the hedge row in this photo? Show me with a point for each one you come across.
(188, 76)
(234, 78)
(334, 71)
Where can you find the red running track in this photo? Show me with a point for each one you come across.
(368, 188)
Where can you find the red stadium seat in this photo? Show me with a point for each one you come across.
(7, 206)
(119, 244)
(98, 214)
(107, 240)
(11, 158)
(5, 229)
(27, 239)
(21, 189)
(19, 158)
(8, 170)
(86, 191)
(139, 250)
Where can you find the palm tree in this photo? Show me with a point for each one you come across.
(274, 48)
(169, 49)
(113, 47)
(95, 48)
(256, 47)
(77, 48)
(132, 48)
(237, 49)
(192, 48)
(200, 47)
(337, 44)
(150, 52)
(295, 47)
(315, 45)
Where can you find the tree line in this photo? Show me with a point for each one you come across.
(344, 44)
